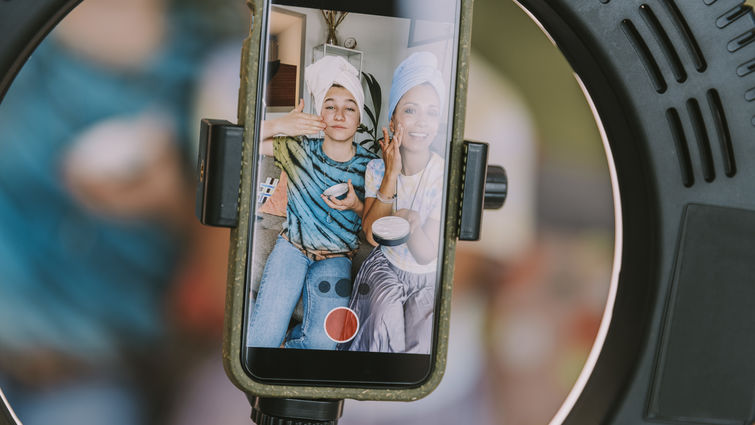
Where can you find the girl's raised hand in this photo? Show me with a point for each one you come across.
(298, 123)
(391, 153)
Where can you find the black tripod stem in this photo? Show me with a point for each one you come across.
(294, 411)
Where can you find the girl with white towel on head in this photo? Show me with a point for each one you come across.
(312, 256)
(394, 291)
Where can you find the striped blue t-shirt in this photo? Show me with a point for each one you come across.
(310, 222)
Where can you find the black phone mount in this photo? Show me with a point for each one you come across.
(219, 172)
(218, 180)
(294, 411)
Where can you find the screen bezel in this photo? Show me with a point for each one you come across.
(345, 368)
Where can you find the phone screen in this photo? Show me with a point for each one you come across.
(343, 272)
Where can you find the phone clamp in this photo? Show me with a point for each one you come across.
(294, 411)
(483, 187)
(219, 174)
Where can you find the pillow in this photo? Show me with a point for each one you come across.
(276, 203)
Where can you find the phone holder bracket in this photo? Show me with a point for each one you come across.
(219, 175)
(484, 187)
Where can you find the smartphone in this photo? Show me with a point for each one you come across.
(350, 200)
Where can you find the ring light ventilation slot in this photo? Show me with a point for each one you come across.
(664, 44)
(705, 156)
(664, 36)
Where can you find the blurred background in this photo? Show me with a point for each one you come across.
(112, 294)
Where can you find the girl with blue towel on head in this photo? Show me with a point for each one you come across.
(394, 290)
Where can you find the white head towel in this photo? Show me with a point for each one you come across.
(330, 70)
(419, 68)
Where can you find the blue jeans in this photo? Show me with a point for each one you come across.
(288, 275)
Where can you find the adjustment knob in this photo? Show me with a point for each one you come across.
(496, 187)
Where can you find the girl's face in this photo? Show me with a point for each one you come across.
(418, 111)
(341, 114)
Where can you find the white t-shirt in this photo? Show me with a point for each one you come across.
(421, 192)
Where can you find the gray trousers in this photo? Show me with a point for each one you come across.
(395, 308)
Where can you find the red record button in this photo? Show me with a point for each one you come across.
(341, 324)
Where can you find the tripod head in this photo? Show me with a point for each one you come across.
(284, 411)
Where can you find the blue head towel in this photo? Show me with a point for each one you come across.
(419, 68)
